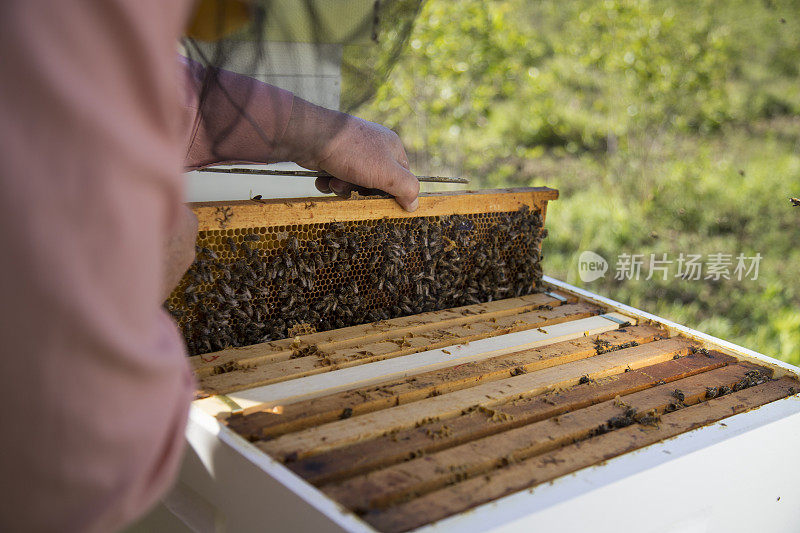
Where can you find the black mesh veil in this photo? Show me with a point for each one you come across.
(334, 53)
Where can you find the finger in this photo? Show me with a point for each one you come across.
(341, 188)
(402, 184)
(323, 185)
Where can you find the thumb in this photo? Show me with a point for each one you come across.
(402, 184)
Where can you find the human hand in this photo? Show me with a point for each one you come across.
(179, 250)
(361, 154)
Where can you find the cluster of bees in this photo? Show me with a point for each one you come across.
(353, 274)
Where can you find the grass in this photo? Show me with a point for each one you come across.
(726, 193)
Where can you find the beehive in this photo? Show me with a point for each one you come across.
(319, 264)
(416, 419)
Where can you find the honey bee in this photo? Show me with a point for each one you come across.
(232, 245)
(208, 252)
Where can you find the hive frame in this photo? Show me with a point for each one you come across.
(272, 221)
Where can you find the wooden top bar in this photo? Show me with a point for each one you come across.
(282, 212)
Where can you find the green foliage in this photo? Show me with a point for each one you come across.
(728, 195)
(515, 76)
(669, 127)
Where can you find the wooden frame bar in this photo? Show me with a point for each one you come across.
(391, 346)
(384, 487)
(289, 212)
(343, 432)
(328, 380)
(301, 415)
(567, 459)
(393, 448)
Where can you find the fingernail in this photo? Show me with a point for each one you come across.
(413, 205)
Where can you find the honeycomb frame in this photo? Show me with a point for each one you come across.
(242, 290)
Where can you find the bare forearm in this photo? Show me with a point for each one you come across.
(241, 119)
(234, 118)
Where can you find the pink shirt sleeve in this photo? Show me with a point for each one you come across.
(233, 119)
(95, 381)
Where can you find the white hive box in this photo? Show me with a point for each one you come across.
(735, 474)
